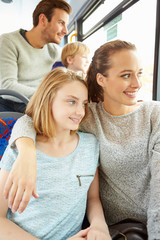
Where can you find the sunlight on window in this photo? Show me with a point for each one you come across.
(99, 13)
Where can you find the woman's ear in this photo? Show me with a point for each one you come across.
(100, 79)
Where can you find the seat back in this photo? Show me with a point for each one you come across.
(20, 96)
(8, 119)
(57, 64)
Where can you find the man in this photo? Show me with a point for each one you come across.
(27, 56)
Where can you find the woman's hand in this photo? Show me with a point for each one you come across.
(21, 182)
(80, 235)
(98, 234)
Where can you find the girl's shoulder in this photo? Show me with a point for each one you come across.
(88, 138)
(89, 146)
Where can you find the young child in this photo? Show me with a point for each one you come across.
(75, 57)
(67, 176)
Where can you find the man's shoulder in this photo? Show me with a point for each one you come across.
(54, 46)
(55, 51)
(10, 34)
(13, 37)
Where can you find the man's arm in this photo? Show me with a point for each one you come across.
(9, 55)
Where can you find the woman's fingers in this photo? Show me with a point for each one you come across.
(19, 195)
(7, 187)
(24, 200)
(11, 196)
(21, 182)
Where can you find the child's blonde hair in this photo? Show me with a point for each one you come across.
(39, 107)
(72, 49)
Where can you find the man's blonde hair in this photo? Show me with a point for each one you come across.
(39, 107)
(72, 49)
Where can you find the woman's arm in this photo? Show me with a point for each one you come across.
(153, 213)
(82, 235)
(153, 221)
(8, 229)
(22, 128)
(98, 227)
(21, 182)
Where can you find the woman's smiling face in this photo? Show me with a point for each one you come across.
(123, 80)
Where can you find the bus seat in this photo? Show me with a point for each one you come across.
(13, 93)
(57, 64)
(8, 119)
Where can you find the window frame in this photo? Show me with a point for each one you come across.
(156, 71)
(124, 5)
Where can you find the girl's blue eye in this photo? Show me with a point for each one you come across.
(71, 102)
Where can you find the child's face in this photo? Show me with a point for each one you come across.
(79, 63)
(68, 108)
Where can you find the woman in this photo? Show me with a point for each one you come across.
(67, 179)
(129, 135)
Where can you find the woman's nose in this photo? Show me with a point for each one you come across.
(136, 82)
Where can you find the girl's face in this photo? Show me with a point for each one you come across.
(68, 107)
(123, 82)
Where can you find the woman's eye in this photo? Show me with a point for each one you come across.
(85, 104)
(126, 76)
(140, 74)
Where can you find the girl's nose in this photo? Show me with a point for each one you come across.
(80, 110)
